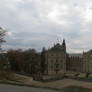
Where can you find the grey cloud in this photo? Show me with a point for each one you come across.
(36, 23)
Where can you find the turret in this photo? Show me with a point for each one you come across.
(43, 49)
(64, 45)
(64, 42)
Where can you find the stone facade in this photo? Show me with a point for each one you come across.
(56, 61)
(87, 62)
(74, 64)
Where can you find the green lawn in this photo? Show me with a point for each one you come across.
(76, 89)
(22, 84)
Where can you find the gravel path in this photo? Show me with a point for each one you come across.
(57, 84)
(10, 88)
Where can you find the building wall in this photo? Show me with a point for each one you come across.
(75, 64)
(56, 62)
(54, 59)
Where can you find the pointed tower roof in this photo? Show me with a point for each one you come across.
(63, 42)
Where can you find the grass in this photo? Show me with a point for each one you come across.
(88, 79)
(25, 85)
(76, 89)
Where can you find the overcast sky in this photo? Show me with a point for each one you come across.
(38, 23)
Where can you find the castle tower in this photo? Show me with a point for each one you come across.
(64, 45)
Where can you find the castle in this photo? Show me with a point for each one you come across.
(57, 61)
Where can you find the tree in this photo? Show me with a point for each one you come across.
(31, 61)
(2, 59)
(15, 58)
(4, 64)
(2, 34)
(24, 61)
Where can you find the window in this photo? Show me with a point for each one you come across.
(52, 55)
(52, 66)
(51, 61)
(56, 61)
(61, 66)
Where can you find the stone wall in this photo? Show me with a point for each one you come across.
(87, 64)
(75, 64)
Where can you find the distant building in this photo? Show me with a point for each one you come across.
(74, 63)
(56, 60)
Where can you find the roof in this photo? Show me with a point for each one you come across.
(89, 51)
(57, 47)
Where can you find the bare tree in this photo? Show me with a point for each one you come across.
(2, 34)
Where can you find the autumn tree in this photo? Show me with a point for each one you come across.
(4, 68)
(2, 58)
(24, 61)
(32, 59)
(15, 59)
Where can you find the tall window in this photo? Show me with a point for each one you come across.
(52, 64)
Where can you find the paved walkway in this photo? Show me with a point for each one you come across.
(9, 88)
(58, 84)
(69, 82)
(55, 84)
(62, 83)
